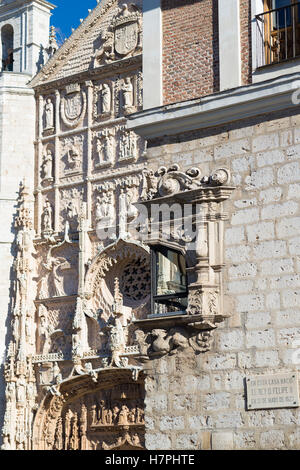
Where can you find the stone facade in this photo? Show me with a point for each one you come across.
(104, 351)
(198, 402)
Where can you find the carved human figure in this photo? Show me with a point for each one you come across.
(128, 146)
(127, 90)
(47, 217)
(105, 99)
(47, 165)
(73, 158)
(55, 281)
(105, 209)
(109, 417)
(21, 389)
(105, 148)
(123, 415)
(49, 114)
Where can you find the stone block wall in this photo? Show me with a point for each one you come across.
(199, 402)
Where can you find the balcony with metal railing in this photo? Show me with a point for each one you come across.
(278, 35)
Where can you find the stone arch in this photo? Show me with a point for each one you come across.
(7, 40)
(112, 263)
(84, 415)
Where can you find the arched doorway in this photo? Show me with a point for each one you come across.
(88, 415)
(7, 39)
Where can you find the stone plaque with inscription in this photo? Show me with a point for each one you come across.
(272, 391)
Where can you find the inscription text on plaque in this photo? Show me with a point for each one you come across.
(272, 391)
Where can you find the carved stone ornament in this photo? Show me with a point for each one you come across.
(104, 148)
(123, 38)
(106, 416)
(72, 151)
(168, 182)
(103, 101)
(47, 167)
(48, 116)
(73, 105)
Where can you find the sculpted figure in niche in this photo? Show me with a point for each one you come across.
(49, 114)
(105, 99)
(105, 149)
(47, 165)
(123, 415)
(128, 146)
(55, 282)
(127, 90)
(47, 217)
(73, 158)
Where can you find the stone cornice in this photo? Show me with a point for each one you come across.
(220, 108)
(101, 72)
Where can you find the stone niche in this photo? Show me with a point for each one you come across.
(185, 214)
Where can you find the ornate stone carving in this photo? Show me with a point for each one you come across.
(47, 167)
(128, 146)
(72, 151)
(104, 104)
(105, 215)
(49, 116)
(104, 148)
(47, 218)
(73, 105)
(71, 203)
(101, 419)
(127, 95)
(166, 182)
(122, 38)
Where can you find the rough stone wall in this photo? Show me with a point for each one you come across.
(199, 402)
(190, 49)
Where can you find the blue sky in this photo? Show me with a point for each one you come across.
(68, 13)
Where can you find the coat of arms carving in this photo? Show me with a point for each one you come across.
(123, 38)
(73, 105)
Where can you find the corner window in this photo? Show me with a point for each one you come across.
(279, 27)
(169, 281)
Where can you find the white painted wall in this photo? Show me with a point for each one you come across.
(17, 133)
(152, 54)
(229, 44)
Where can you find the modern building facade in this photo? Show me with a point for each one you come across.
(153, 297)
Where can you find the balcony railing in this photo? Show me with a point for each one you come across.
(278, 35)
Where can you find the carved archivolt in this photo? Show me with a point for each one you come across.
(92, 415)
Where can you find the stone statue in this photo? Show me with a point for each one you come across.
(47, 165)
(49, 114)
(127, 90)
(47, 217)
(105, 99)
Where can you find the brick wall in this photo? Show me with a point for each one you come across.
(246, 50)
(190, 49)
(191, 401)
